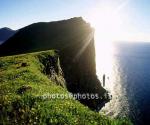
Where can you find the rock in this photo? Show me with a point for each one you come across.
(52, 68)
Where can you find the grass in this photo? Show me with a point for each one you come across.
(23, 82)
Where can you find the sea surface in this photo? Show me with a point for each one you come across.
(127, 69)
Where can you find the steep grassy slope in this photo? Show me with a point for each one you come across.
(24, 79)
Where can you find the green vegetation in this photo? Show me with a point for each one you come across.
(23, 81)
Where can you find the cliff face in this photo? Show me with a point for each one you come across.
(74, 40)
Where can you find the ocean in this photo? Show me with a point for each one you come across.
(127, 70)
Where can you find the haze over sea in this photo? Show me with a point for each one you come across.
(128, 80)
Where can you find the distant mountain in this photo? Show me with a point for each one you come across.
(74, 41)
(6, 33)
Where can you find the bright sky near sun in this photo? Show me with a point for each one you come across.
(127, 20)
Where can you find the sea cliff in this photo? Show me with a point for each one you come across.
(74, 41)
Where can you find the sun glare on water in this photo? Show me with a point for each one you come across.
(108, 25)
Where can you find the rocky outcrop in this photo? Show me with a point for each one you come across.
(51, 68)
(74, 40)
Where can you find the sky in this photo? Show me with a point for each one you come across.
(134, 14)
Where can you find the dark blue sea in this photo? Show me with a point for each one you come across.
(128, 80)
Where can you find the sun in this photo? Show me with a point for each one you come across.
(106, 22)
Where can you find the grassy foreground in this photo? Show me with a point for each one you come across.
(22, 85)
